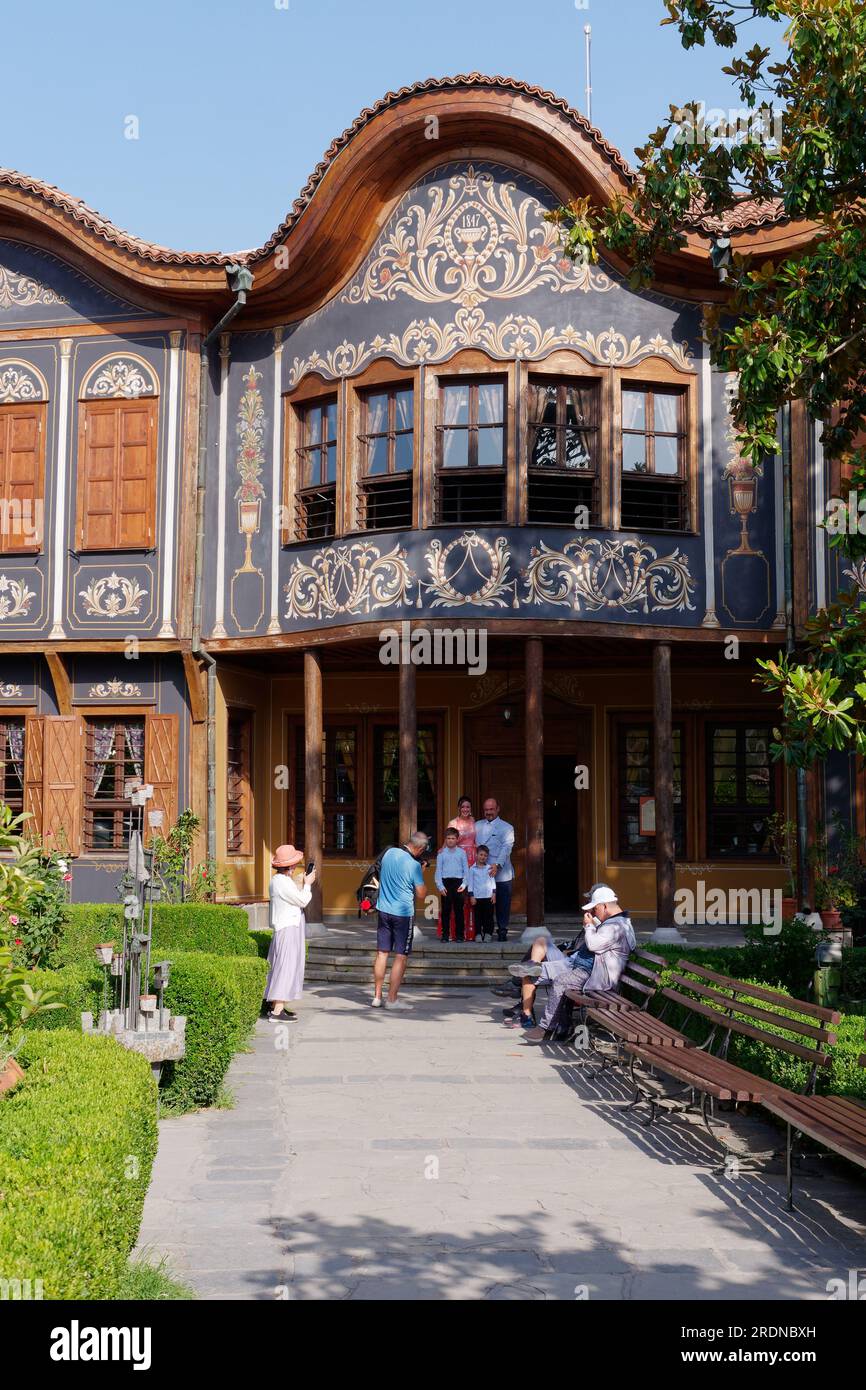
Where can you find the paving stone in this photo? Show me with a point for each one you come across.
(434, 1156)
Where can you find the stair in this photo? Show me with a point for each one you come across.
(348, 960)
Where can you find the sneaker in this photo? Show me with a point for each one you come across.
(284, 1017)
(397, 1004)
(525, 970)
(534, 1035)
(377, 1003)
(512, 1012)
(526, 1022)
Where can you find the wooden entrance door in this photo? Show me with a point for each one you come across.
(505, 778)
(494, 754)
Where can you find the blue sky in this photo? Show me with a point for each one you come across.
(236, 100)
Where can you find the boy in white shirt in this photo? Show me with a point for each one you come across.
(482, 894)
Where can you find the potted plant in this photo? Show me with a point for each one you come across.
(839, 877)
(782, 835)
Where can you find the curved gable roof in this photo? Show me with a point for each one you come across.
(353, 187)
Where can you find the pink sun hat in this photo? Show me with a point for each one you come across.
(287, 857)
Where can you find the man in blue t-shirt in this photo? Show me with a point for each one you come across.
(401, 882)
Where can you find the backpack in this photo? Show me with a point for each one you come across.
(367, 893)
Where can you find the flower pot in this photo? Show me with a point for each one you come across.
(147, 1003)
(831, 919)
(10, 1076)
(789, 909)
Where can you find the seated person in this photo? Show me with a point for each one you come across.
(541, 965)
(610, 941)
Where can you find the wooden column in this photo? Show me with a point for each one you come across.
(313, 811)
(664, 787)
(408, 752)
(534, 749)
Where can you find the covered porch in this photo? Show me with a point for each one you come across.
(641, 761)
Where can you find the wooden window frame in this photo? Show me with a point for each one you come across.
(474, 383)
(366, 483)
(39, 410)
(736, 719)
(474, 370)
(117, 805)
(364, 727)
(244, 799)
(563, 381)
(302, 409)
(620, 721)
(7, 717)
(89, 409)
(391, 390)
(329, 804)
(659, 376)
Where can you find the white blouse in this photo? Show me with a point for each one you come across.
(288, 900)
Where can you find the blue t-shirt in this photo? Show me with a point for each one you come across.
(400, 873)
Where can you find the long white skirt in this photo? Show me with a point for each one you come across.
(286, 961)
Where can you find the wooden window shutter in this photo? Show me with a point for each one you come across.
(63, 776)
(22, 455)
(117, 475)
(161, 762)
(34, 727)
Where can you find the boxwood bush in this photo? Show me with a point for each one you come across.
(78, 1138)
(221, 997)
(844, 1076)
(212, 927)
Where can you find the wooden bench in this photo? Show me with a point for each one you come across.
(730, 1007)
(625, 1019)
(836, 1122)
(641, 974)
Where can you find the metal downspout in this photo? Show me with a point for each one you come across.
(802, 806)
(240, 281)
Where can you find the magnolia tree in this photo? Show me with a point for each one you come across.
(792, 329)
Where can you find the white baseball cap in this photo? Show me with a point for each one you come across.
(601, 895)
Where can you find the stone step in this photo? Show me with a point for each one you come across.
(419, 979)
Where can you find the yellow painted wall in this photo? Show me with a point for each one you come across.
(272, 699)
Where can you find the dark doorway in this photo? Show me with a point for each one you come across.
(561, 859)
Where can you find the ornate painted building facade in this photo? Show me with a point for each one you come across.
(229, 482)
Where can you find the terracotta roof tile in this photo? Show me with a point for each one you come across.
(749, 214)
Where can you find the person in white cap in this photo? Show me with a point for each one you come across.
(610, 940)
(541, 965)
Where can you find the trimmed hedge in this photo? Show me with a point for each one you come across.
(263, 941)
(212, 927)
(221, 997)
(843, 1077)
(78, 1138)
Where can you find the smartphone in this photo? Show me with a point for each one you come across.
(311, 866)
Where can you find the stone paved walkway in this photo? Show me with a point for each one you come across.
(432, 1155)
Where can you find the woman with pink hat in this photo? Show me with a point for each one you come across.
(290, 893)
